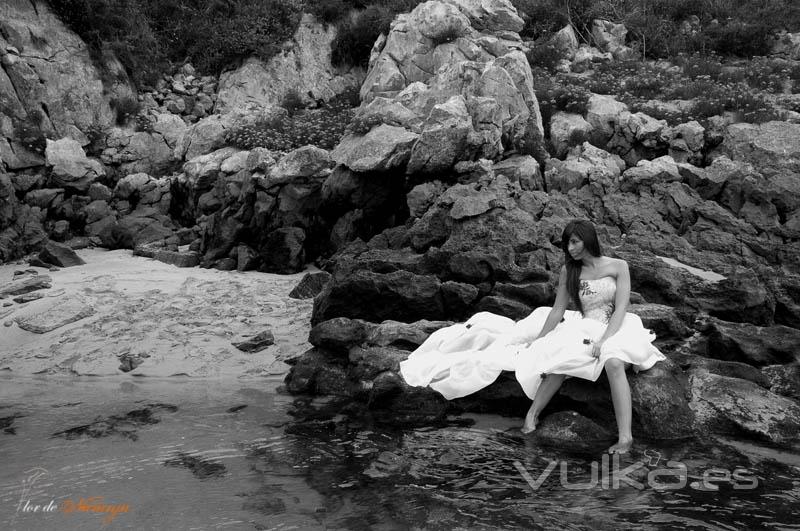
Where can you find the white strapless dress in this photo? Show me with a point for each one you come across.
(466, 357)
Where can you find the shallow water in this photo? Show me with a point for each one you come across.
(179, 453)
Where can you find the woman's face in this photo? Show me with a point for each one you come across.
(575, 247)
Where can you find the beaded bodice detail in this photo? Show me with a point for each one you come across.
(597, 298)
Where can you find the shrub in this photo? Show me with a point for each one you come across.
(545, 55)
(555, 97)
(329, 11)
(739, 38)
(319, 127)
(357, 35)
(698, 65)
(540, 18)
(148, 35)
(125, 108)
(292, 102)
(121, 27)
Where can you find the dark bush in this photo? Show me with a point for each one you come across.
(329, 11)
(544, 55)
(125, 108)
(739, 38)
(357, 35)
(148, 35)
(292, 102)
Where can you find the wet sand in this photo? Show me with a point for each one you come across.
(176, 321)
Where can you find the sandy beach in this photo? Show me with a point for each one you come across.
(175, 321)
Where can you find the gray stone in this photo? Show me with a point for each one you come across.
(59, 315)
(256, 343)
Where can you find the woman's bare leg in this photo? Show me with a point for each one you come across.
(545, 392)
(621, 397)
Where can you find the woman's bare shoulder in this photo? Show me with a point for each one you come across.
(616, 264)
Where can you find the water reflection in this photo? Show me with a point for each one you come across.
(190, 454)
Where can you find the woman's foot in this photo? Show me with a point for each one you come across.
(531, 420)
(623, 446)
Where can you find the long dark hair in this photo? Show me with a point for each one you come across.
(585, 231)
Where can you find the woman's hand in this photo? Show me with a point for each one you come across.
(596, 346)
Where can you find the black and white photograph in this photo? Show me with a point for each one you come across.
(273, 265)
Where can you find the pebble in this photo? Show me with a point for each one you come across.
(8, 323)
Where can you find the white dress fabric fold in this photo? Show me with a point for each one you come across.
(463, 358)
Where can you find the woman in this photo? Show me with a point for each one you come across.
(463, 358)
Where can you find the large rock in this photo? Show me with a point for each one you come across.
(49, 61)
(756, 345)
(374, 297)
(603, 113)
(585, 165)
(381, 149)
(733, 406)
(566, 42)
(567, 130)
(447, 57)
(610, 37)
(70, 167)
(772, 147)
(59, 255)
(139, 151)
(305, 62)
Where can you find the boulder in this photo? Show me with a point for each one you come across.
(603, 113)
(585, 165)
(138, 151)
(310, 285)
(171, 128)
(748, 343)
(399, 295)
(255, 343)
(772, 147)
(741, 408)
(282, 251)
(178, 258)
(70, 168)
(647, 173)
(521, 169)
(59, 255)
(568, 130)
(305, 62)
(434, 58)
(610, 37)
(381, 149)
(587, 56)
(569, 430)
(307, 161)
(566, 42)
(444, 139)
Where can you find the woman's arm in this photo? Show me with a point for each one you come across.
(621, 301)
(557, 313)
(533, 327)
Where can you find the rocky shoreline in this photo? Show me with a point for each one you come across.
(446, 196)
